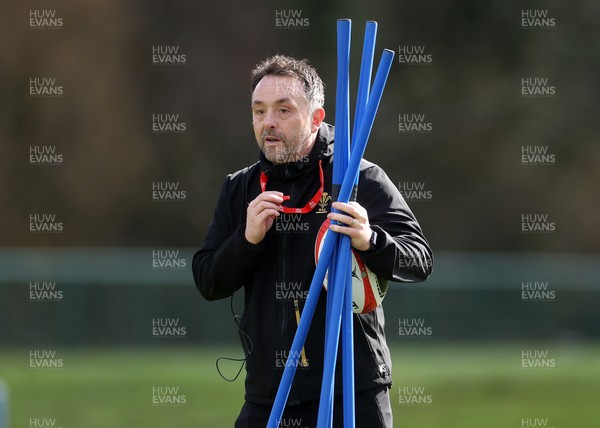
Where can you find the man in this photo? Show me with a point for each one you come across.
(262, 238)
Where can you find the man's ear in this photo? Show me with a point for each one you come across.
(317, 118)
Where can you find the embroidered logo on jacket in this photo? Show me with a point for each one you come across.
(325, 199)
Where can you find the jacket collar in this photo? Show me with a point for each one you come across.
(322, 149)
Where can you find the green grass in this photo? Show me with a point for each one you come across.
(480, 386)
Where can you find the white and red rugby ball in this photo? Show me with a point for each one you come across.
(368, 290)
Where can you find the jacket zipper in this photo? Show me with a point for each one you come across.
(284, 274)
(287, 305)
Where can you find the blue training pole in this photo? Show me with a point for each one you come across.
(341, 153)
(360, 143)
(342, 126)
(366, 70)
(341, 143)
(364, 87)
(364, 130)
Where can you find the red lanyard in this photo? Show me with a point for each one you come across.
(306, 208)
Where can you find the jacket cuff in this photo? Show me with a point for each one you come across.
(240, 234)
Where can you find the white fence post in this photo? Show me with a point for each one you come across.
(3, 405)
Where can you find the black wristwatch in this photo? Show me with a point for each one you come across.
(372, 241)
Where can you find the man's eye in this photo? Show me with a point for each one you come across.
(284, 110)
(259, 112)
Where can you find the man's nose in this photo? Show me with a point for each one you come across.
(270, 119)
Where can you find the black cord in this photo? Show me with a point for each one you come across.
(247, 345)
(245, 339)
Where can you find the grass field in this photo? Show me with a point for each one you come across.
(480, 386)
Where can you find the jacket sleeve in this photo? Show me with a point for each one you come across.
(402, 253)
(226, 258)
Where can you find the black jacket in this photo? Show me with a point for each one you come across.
(280, 269)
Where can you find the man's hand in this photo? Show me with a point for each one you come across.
(355, 217)
(261, 214)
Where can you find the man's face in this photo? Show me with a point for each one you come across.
(283, 125)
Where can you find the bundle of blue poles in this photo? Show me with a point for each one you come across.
(336, 251)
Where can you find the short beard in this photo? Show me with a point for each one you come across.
(290, 151)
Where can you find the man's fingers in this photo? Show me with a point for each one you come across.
(264, 215)
(271, 196)
(342, 218)
(352, 220)
(263, 205)
(349, 211)
(259, 220)
(351, 232)
(353, 209)
(347, 208)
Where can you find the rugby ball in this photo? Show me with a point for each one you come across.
(368, 290)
